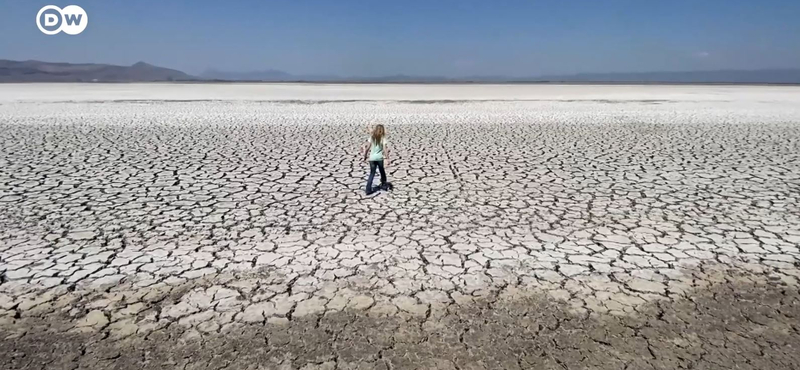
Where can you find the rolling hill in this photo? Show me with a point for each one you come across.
(37, 71)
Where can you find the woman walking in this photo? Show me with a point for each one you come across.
(376, 152)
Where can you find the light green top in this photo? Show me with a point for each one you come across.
(375, 150)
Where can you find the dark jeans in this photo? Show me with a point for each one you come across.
(372, 166)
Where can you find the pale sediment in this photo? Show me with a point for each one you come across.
(573, 233)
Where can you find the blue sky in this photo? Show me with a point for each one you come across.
(435, 37)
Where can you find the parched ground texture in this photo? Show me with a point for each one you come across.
(531, 227)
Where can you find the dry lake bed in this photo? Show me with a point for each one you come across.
(224, 226)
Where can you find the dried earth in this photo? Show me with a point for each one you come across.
(579, 227)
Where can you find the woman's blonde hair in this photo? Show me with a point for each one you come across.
(378, 132)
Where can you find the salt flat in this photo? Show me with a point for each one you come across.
(531, 226)
(50, 92)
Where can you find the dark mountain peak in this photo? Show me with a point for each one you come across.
(141, 64)
(37, 71)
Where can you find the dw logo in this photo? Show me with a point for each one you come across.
(72, 20)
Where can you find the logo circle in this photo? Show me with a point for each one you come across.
(74, 20)
(39, 15)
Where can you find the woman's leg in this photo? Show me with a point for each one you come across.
(371, 177)
(383, 173)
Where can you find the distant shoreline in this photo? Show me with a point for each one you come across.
(33, 71)
(575, 83)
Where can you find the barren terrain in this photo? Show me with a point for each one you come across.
(224, 226)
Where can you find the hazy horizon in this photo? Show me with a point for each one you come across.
(78, 62)
(447, 38)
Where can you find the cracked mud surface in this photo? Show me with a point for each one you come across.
(732, 325)
(658, 232)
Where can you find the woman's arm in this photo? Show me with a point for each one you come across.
(385, 154)
(366, 151)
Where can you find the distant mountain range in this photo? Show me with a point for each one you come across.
(265, 75)
(36, 71)
(768, 76)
